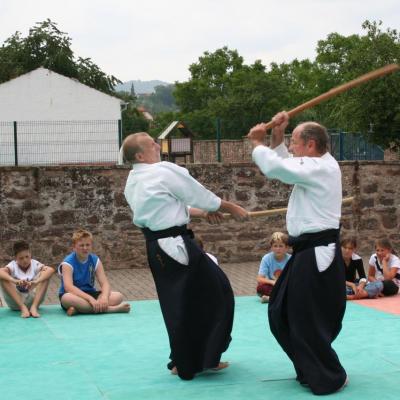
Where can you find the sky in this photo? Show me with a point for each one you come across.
(159, 39)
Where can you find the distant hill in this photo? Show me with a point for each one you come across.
(140, 86)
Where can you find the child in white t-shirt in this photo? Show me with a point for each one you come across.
(385, 266)
(25, 281)
(383, 272)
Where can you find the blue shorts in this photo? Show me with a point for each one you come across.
(373, 288)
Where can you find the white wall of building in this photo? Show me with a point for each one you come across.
(59, 120)
(43, 95)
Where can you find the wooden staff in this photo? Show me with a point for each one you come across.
(340, 89)
(278, 211)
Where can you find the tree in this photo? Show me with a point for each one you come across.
(46, 46)
(221, 86)
(132, 119)
(208, 79)
(373, 108)
(162, 100)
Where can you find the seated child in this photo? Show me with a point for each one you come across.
(25, 281)
(272, 265)
(383, 273)
(354, 264)
(78, 271)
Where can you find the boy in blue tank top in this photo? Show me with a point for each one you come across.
(272, 265)
(78, 271)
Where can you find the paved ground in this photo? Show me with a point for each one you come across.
(137, 284)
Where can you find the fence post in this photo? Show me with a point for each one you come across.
(218, 140)
(119, 133)
(341, 146)
(15, 144)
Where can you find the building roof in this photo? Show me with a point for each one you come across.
(42, 70)
(181, 126)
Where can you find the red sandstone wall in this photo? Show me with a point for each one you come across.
(45, 204)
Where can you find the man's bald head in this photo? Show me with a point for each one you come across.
(140, 148)
(132, 146)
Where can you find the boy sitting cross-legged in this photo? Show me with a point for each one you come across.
(78, 271)
(25, 281)
(272, 265)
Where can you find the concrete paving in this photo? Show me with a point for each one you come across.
(137, 284)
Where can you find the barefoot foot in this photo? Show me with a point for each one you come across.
(25, 312)
(122, 308)
(174, 371)
(71, 311)
(221, 365)
(34, 312)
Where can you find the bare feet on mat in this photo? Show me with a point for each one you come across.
(174, 371)
(124, 308)
(34, 312)
(25, 312)
(71, 311)
(221, 365)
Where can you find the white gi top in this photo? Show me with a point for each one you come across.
(316, 199)
(159, 195)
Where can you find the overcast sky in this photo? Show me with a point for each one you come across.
(159, 39)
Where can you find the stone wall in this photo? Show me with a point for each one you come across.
(44, 205)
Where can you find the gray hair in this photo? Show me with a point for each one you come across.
(318, 133)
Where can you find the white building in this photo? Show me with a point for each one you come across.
(58, 120)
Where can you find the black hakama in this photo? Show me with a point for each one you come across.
(196, 301)
(306, 309)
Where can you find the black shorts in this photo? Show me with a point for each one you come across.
(95, 295)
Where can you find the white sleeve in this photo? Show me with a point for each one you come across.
(394, 261)
(371, 261)
(11, 267)
(282, 151)
(187, 189)
(293, 170)
(37, 266)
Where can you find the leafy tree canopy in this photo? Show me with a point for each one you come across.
(222, 86)
(46, 46)
(373, 108)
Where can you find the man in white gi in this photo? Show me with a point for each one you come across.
(307, 304)
(195, 295)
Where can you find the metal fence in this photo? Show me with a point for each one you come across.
(59, 142)
(98, 142)
(353, 146)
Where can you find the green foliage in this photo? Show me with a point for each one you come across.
(373, 108)
(162, 100)
(162, 121)
(133, 121)
(46, 46)
(222, 86)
